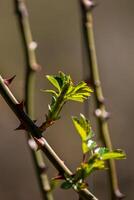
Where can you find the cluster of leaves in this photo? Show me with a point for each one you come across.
(65, 91)
(85, 131)
(98, 155)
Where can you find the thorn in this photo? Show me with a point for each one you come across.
(20, 127)
(118, 194)
(9, 81)
(36, 67)
(20, 105)
(58, 177)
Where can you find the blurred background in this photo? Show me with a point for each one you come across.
(56, 27)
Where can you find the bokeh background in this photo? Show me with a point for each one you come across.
(56, 28)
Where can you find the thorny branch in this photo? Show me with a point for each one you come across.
(38, 138)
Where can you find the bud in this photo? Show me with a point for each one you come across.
(102, 114)
(32, 144)
(89, 4)
(9, 81)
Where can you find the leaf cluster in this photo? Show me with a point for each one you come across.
(97, 156)
(65, 90)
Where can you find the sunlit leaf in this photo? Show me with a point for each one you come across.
(50, 91)
(91, 144)
(79, 92)
(54, 183)
(66, 185)
(54, 82)
(105, 154)
(84, 129)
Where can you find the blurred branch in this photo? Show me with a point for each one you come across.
(32, 67)
(101, 113)
(38, 138)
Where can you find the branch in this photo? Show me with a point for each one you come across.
(32, 67)
(101, 113)
(39, 139)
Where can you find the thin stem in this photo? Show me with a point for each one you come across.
(55, 113)
(32, 66)
(102, 117)
(39, 139)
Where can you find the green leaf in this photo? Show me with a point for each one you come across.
(85, 148)
(66, 185)
(54, 82)
(59, 80)
(76, 98)
(54, 183)
(50, 91)
(80, 92)
(101, 151)
(91, 144)
(66, 91)
(81, 129)
(94, 163)
(84, 129)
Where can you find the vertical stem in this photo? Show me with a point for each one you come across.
(103, 124)
(32, 67)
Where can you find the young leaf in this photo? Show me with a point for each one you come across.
(84, 129)
(105, 154)
(50, 91)
(66, 91)
(54, 183)
(79, 92)
(54, 82)
(66, 185)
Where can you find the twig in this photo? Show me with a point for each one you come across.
(100, 112)
(32, 67)
(39, 139)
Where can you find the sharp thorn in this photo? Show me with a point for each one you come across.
(119, 195)
(9, 80)
(58, 177)
(36, 67)
(20, 127)
(20, 105)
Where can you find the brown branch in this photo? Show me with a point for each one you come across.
(39, 139)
